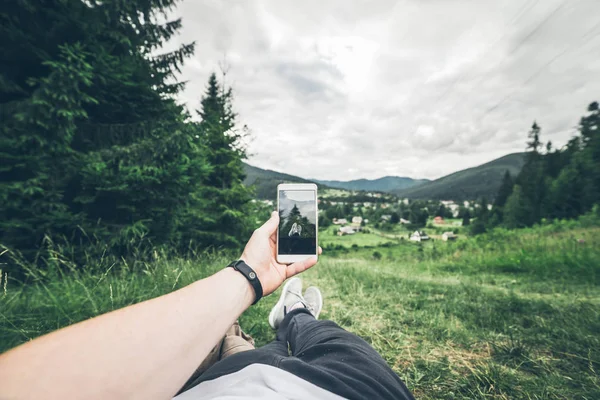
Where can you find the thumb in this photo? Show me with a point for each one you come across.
(301, 266)
(272, 223)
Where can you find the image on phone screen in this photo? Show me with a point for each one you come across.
(297, 222)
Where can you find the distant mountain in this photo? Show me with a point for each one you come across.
(467, 184)
(266, 181)
(385, 184)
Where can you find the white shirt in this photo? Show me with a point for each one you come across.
(257, 381)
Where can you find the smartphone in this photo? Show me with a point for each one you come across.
(298, 222)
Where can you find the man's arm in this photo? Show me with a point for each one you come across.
(147, 350)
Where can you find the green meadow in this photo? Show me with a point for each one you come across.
(505, 315)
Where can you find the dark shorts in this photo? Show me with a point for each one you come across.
(322, 353)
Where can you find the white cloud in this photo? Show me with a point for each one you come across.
(421, 88)
(304, 200)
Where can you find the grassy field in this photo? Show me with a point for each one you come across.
(327, 238)
(507, 315)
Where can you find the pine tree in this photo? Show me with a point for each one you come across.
(534, 144)
(296, 217)
(504, 191)
(589, 156)
(139, 170)
(531, 179)
(566, 199)
(91, 135)
(44, 91)
(482, 212)
(324, 221)
(517, 210)
(227, 221)
(560, 183)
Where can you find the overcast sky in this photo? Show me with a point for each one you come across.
(303, 199)
(420, 88)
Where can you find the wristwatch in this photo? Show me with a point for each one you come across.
(249, 273)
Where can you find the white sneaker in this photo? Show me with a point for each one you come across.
(290, 295)
(313, 299)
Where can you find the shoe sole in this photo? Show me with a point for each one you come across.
(320, 304)
(275, 310)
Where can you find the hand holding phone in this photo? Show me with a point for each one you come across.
(260, 254)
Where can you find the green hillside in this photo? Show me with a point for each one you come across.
(472, 183)
(386, 184)
(507, 315)
(266, 181)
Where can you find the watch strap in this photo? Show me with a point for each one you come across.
(250, 275)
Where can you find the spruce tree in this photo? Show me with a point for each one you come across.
(46, 76)
(589, 156)
(531, 179)
(504, 191)
(566, 198)
(561, 183)
(227, 220)
(517, 210)
(95, 146)
(534, 144)
(482, 212)
(293, 217)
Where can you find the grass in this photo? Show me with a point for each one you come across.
(328, 239)
(508, 315)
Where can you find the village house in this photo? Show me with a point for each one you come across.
(386, 217)
(346, 230)
(439, 220)
(448, 236)
(419, 236)
(404, 221)
(340, 221)
(356, 223)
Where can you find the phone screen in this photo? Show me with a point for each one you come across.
(297, 222)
